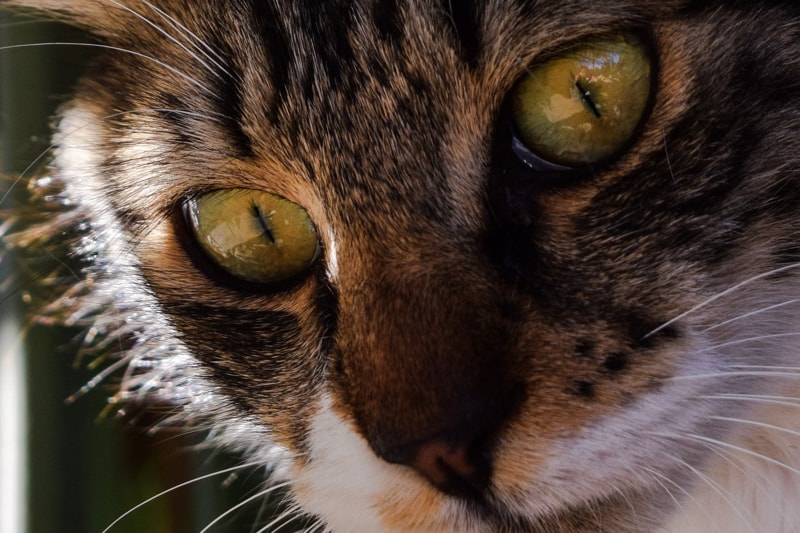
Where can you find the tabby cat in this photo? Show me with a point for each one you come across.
(451, 266)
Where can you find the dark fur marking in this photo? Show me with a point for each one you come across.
(276, 43)
(386, 17)
(616, 362)
(329, 24)
(583, 387)
(378, 71)
(327, 303)
(464, 21)
(585, 348)
(171, 110)
(261, 333)
(229, 103)
(647, 340)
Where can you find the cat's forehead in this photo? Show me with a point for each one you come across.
(338, 104)
(356, 92)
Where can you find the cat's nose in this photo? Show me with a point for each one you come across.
(457, 459)
(457, 467)
(461, 469)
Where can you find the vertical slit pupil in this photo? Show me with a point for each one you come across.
(586, 96)
(264, 223)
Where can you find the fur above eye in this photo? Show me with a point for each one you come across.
(253, 235)
(583, 107)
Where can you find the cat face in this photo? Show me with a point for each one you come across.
(498, 319)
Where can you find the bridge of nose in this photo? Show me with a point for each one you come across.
(423, 363)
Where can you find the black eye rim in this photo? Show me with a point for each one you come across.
(539, 164)
(219, 276)
(530, 158)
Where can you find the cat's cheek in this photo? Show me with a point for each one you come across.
(353, 491)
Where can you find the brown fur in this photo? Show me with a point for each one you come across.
(464, 297)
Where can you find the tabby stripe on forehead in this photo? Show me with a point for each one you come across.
(464, 19)
(329, 25)
(276, 41)
(386, 16)
(230, 105)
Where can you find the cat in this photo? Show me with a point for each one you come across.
(458, 266)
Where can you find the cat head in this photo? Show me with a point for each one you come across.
(479, 315)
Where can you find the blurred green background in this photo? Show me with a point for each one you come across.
(80, 471)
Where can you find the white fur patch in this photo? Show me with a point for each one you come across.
(348, 485)
(753, 483)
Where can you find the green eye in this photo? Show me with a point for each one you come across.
(585, 106)
(253, 235)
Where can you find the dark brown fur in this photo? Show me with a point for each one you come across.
(468, 298)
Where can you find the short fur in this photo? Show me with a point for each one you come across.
(624, 346)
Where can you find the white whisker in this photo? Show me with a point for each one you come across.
(26, 171)
(241, 504)
(752, 339)
(319, 525)
(750, 314)
(757, 424)
(788, 401)
(658, 477)
(100, 377)
(160, 63)
(208, 52)
(767, 367)
(722, 294)
(731, 374)
(717, 489)
(169, 36)
(283, 518)
(701, 438)
(176, 487)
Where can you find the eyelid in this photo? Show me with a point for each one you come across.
(533, 161)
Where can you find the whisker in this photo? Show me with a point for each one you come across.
(657, 476)
(100, 377)
(317, 525)
(169, 36)
(788, 401)
(722, 294)
(731, 374)
(241, 504)
(767, 367)
(725, 495)
(282, 519)
(158, 62)
(750, 314)
(199, 44)
(214, 117)
(181, 485)
(751, 339)
(716, 442)
(757, 424)
(747, 473)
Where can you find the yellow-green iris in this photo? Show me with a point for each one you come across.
(256, 236)
(584, 107)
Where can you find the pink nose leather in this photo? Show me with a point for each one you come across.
(453, 468)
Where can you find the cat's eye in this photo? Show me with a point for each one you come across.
(252, 235)
(583, 107)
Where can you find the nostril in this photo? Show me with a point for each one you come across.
(455, 454)
(453, 468)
